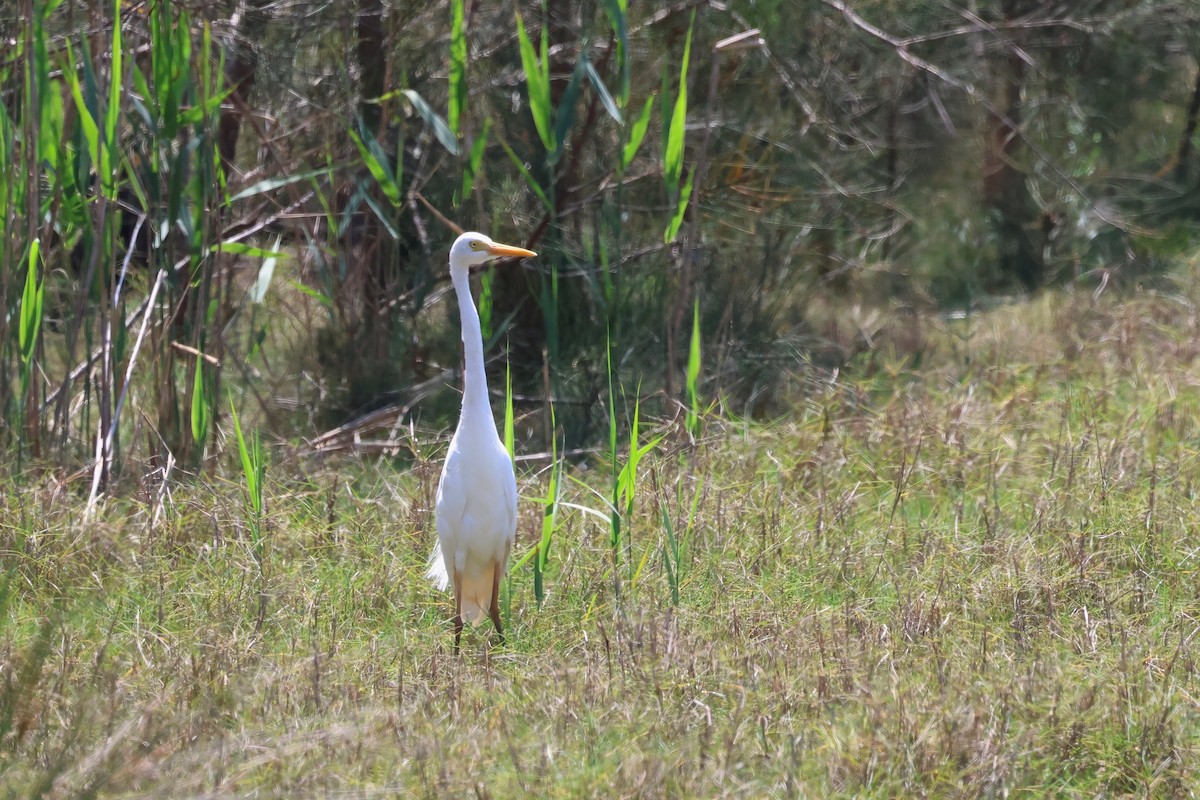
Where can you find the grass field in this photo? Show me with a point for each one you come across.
(975, 579)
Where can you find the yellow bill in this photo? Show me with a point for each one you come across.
(501, 250)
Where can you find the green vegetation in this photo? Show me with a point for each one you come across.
(712, 164)
(974, 580)
(851, 397)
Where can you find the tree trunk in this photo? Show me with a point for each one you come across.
(240, 74)
(372, 62)
(1189, 130)
(1005, 194)
(375, 254)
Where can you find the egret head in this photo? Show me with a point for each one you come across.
(472, 249)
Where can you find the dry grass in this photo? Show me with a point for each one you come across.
(978, 579)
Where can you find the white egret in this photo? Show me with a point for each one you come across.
(477, 495)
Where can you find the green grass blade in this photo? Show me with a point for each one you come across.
(636, 134)
(50, 134)
(475, 160)
(509, 420)
(627, 480)
(87, 122)
(564, 118)
(260, 472)
(254, 465)
(618, 15)
(673, 154)
(671, 556)
(693, 373)
(252, 461)
(635, 574)
(199, 112)
(200, 411)
(625, 494)
(41, 50)
(692, 514)
(529, 179)
(143, 99)
(378, 171)
(434, 120)
(381, 214)
(537, 82)
(615, 511)
(112, 115)
(304, 289)
(272, 184)
(606, 99)
(31, 305)
(206, 75)
(484, 305)
(180, 68)
(258, 290)
(159, 57)
(636, 454)
(549, 516)
(243, 249)
(553, 495)
(612, 403)
(458, 68)
(681, 204)
(170, 64)
(7, 181)
(614, 533)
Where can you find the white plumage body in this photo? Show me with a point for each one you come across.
(477, 495)
(476, 516)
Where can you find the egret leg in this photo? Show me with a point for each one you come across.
(495, 609)
(458, 618)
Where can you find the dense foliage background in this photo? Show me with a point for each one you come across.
(268, 182)
(854, 397)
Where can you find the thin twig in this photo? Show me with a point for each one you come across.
(137, 346)
(901, 49)
(192, 351)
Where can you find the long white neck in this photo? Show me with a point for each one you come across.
(475, 405)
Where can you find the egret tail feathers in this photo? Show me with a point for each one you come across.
(437, 569)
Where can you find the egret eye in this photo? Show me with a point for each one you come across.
(475, 245)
